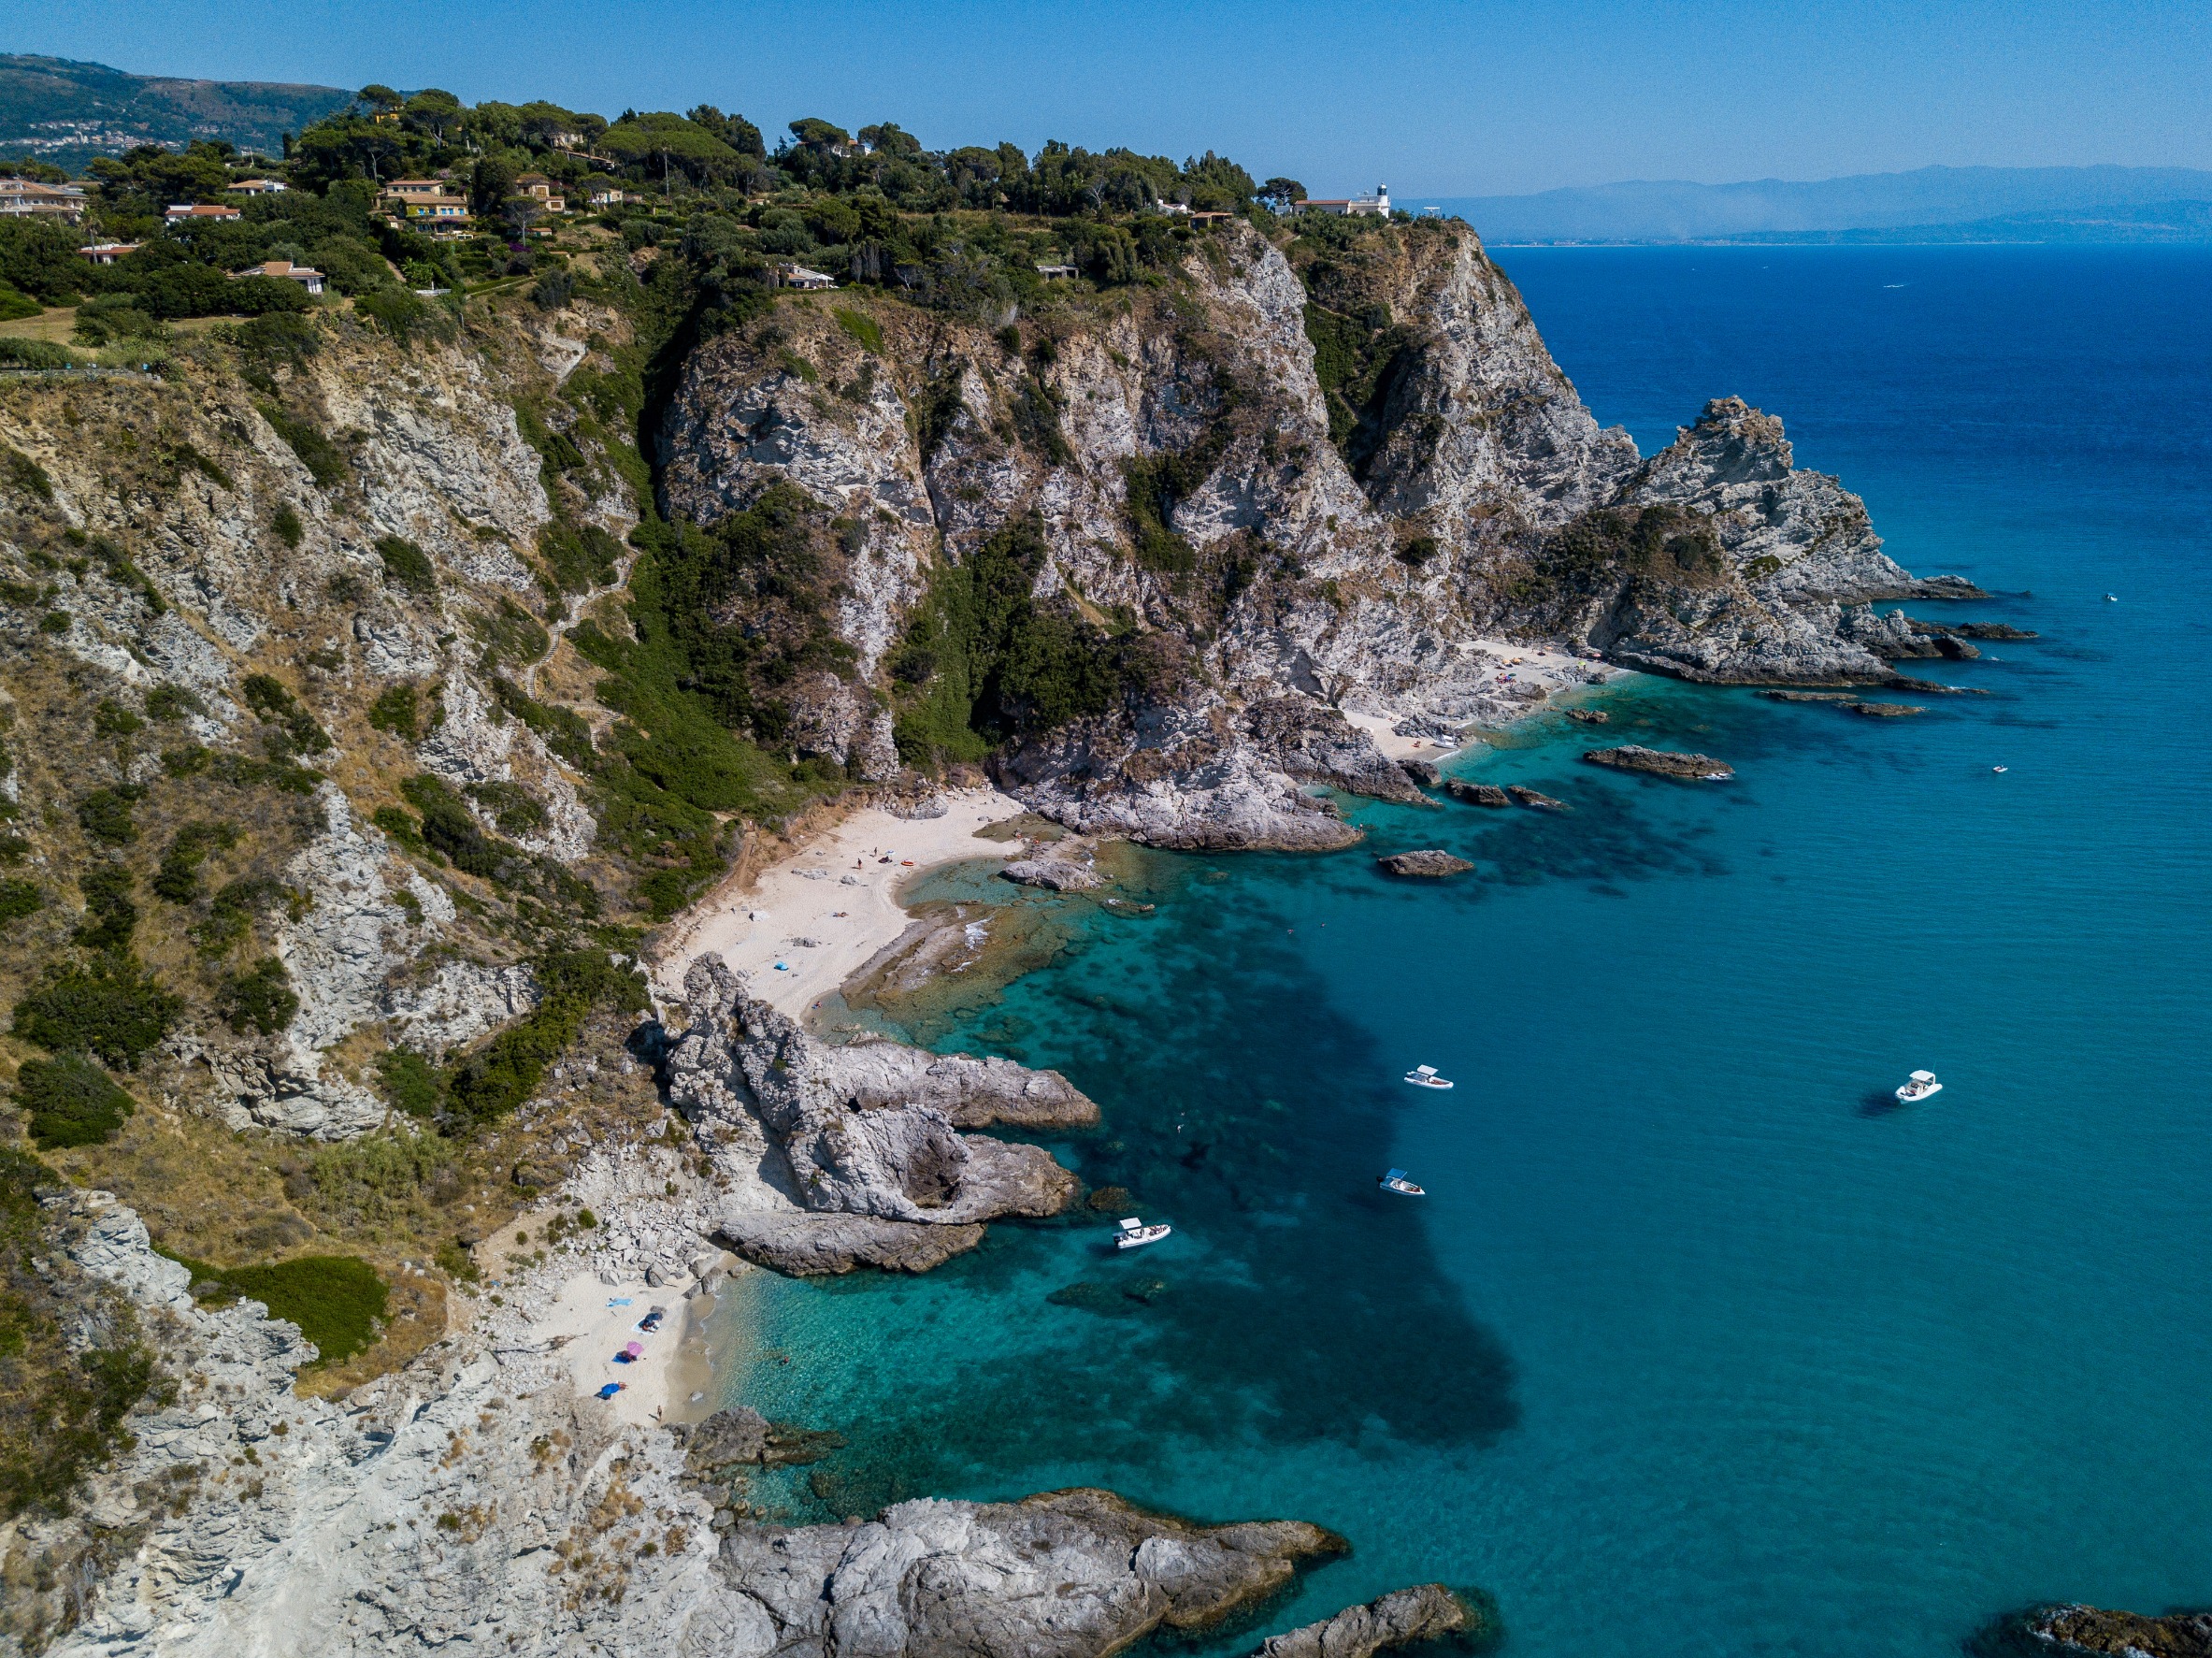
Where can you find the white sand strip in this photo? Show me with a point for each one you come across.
(837, 891)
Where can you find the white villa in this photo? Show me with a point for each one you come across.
(1359, 207)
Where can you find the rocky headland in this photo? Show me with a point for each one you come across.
(382, 696)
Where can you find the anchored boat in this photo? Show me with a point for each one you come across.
(1918, 1087)
(1425, 1076)
(1395, 1180)
(1132, 1233)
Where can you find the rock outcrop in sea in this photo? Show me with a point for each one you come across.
(831, 1158)
(1432, 864)
(1404, 1617)
(1660, 762)
(2074, 1631)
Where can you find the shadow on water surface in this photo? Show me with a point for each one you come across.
(1290, 1307)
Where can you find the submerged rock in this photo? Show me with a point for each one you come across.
(1533, 800)
(1476, 794)
(1884, 710)
(1430, 863)
(1590, 717)
(1660, 762)
(1424, 1613)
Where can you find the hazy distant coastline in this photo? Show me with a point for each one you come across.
(1932, 205)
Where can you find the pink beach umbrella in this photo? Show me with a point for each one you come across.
(633, 1349)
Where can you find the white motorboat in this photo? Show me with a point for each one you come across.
(1918, 1087)
(1132, 1233)
(2000, 767)
(1395, 1180)
(1425, 1076)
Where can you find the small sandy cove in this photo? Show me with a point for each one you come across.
(597, 1320)
(839, 891)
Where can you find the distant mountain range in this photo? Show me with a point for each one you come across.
(65, 112)
(1931, 204)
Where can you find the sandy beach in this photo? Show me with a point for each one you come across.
(593, 1321)
(803, 926)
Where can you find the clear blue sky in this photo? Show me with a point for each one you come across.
(1434, 98)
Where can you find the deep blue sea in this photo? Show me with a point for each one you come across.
(1699, 1345)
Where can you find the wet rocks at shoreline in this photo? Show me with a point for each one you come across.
(1426, 1612)
(1659, 762)
(2078, 1629)
(1429, 864)
(1424, 773)
(934, 1579)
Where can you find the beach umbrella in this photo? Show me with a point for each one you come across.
(633, 1350)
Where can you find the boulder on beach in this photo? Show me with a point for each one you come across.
(1476, 794)
(1533, 800)
(1660, 762)
(1430, 863)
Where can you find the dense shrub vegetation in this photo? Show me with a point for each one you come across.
(337, 1301)
(70, 1102)
(63, 1400)
(111, 1007)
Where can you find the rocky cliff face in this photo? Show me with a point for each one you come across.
(474, 1499)
(1283, 553)
(246, 605)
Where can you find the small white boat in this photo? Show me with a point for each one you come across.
(2112, 598)
(1132, 1233)
(1425, 1076)
(1918, 1087)
(2000, 767)
(1395, 1180)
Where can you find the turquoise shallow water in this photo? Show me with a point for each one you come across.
(1696, 1348)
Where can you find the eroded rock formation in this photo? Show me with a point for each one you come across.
(838, 1156)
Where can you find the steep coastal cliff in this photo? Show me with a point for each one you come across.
(1223, 554)
(374, 690)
